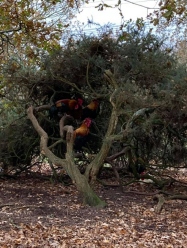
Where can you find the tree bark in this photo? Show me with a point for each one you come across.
(87, 193)
(94, 167)
(161, 201)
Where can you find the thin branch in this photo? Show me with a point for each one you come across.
(118, 154)
(87, 80)
(56, 143)
(12, 30)
(110, 78)
(140, 5)
(43, 107)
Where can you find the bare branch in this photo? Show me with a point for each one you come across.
(68, 129)
(117, 155)
(44, 140)
(41, 108)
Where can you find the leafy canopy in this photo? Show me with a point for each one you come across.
(33, 24)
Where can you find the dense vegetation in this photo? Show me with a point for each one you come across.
(141, 90)
(142, 122)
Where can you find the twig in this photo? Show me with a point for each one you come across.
(6, 205)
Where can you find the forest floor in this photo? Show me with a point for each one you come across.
(40, 213)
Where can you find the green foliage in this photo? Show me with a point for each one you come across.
(19, 144)
(147, 76)
(31, 27)
(170, 10)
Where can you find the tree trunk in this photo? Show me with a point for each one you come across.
(87, 193)
(81, 182)
(94, 167)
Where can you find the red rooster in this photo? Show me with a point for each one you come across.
(81, 134)
(91, 110)
(71, 107)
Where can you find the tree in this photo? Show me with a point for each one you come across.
(28, 29)
(171, 11)
(180, 50)
(143, 96)
(143, 112)
(35, 24)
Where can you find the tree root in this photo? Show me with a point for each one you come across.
(161, 200)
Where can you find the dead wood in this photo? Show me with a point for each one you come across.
(7, 205)
(177, 197)
(161, 200)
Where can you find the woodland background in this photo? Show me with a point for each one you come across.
(138, 75)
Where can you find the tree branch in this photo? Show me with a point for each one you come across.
(44, 140)
(12, 30)
(118, 154)
(67, 128)
(43, 107)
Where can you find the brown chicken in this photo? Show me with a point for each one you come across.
(91, 110)
(81, 134)
(71, 107)
(71, 104)
(84, 128)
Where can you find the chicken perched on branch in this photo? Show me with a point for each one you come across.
(82, 134)
(69, 106)
(91, 110)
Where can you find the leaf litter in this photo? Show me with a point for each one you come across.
(36, 213)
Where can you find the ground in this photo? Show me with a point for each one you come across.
(35, 212)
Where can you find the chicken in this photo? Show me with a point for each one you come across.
(53, 112)
(69, 106)
(138, 167)
(91, 110)
(81, 134)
